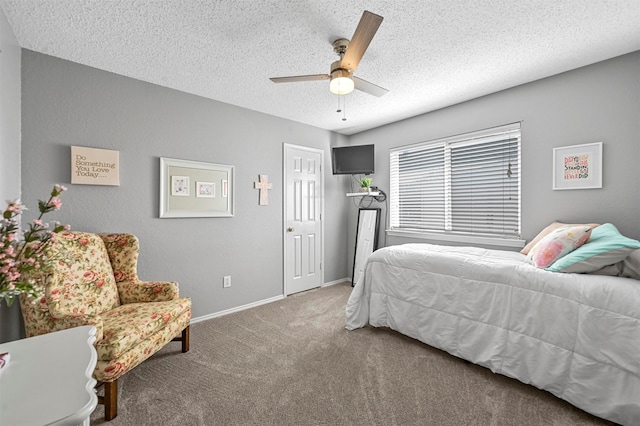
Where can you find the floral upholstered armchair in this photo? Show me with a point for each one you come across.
(94, 281)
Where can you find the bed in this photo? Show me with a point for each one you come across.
(574, 335)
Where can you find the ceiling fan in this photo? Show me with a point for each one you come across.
(342, 80)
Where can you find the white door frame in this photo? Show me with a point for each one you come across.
(285, 147)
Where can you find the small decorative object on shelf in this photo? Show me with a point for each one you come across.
(22, 253)
(365, 184)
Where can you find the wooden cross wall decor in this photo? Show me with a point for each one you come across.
(263, 186)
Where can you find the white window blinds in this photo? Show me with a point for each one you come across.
(467, 184)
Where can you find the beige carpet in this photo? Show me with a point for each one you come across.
(292, 362)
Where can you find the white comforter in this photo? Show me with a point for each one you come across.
(575, 335)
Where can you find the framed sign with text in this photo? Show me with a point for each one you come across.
(577, 166)
(94, 166)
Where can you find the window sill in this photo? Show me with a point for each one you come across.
(457, 238)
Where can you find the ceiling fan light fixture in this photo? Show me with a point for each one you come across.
(341, 82)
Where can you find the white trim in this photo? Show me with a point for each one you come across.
(256, 304)
(470, 239)
(341, 280)
(236, 309)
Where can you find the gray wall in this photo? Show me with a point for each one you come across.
(10, 53)
(66, 104)
(596, 103)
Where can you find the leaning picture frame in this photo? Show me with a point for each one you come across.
(577, 166)
(187, 189)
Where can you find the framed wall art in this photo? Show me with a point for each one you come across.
(206, 189)
(188, 189)
(577, 166)
(95, 166)
(180, 186)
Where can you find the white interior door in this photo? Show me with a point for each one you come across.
(303, 245)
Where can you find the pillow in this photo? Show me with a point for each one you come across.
(558, 243)
(610, 271)
(546, 231)
(631, 265)
(605, 247)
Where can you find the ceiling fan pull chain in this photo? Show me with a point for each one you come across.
(339, 109)
(344, 109)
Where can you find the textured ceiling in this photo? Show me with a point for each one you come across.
(428, 53)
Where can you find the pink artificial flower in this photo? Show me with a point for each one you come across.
(59, 188)
(15, 206)
(37, 222)
(55, 203)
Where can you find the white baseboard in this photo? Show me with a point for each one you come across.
(255, 304)
(236, 309)
(341, 280)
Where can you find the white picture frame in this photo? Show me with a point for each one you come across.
(577, 166)
(199, 200)
(179, 186)
(206, 189)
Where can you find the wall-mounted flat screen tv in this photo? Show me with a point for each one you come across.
(353, 160)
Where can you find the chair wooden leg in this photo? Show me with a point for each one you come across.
(185, 340)
(110, 400)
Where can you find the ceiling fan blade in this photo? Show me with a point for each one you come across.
(296, 78)
(365, 31)
(370, 88)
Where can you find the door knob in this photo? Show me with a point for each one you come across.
(290, 229)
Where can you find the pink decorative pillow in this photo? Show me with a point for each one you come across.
(558, 243)
(552, 227)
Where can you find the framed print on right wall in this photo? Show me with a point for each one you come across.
(577, 166)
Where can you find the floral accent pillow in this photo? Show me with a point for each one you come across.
(552, 227)
(557, 244)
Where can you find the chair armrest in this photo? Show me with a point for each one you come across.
(147, 291)
(65, 321)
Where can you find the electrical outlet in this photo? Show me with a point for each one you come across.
(226, 281)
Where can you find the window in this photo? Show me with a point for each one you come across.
(466, 185)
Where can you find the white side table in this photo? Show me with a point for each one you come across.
(48, 380)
